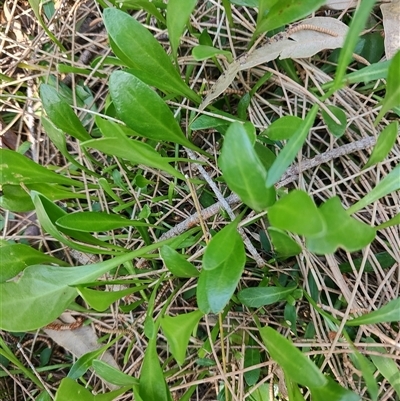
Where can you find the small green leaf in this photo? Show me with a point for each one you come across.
(289, 152)
(16, 257)
(113, 375)
(256, 297)
(138, 48)
(16, 168)
(387, 313)
(296, 365)
(152, 385)
(96, 222)
(143, 5)
(252, 356)
(221, 247)
(202, 52)
(178, 330)
(332, 391)
(296, 212)
(216, 287)
(390, 183)
(284, 12)
(177, 264)
(70, 389)
(143, 110)
(284, 246)
(178, 14)
(61, 114)
(395, 221)
(242, 169)
(283, 128)
(341, 230)
(392, 97)
(384, 144)
(334, 128)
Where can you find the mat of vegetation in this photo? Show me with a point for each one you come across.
(200, 200)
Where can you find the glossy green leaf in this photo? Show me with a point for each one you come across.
(222, 247)
(296, 212)
(389, 184)
(202, 52)
(138, 48)
(113, 375)
(16, 257)
(341, 230)
(386, 366)
(178, 330)
(176, 263)
(16, 168)
(356, 26)
(392, 97)
(243, 170)
(334, 128)
(289, 152)
(284, 245)
(216, 287)
(284, 12)
(384, 144)
(152, 385)
(332, 391)
(256, 297)
(178, 14)
(387, 313)
(116, 143)
(101, 300)
(61, 114)
(96, 222)
(70, 390)
(143, 110)
(283, 128)
(296, 365)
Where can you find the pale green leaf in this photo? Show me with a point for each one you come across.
(177, 264)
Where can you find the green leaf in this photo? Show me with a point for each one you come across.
(243, 170)
(284, 246)
(152, 385)
(61, 114)
(386, 366)
(16, 257)
(252, 356)
(116, 143)
(283, 128)
(143, 5)
(341, 230)
(16, 168)
(390, 183)
(101, 300)
(296, 212)
(333, 392)
(256, 297)
(69, 389)
(176, 263)
(178, 14)
(387, 313)
(178, 330)
(392, 97)
(334, 128)
(384, 144)
(289, 152)
(296, 365)
(221, 248)
(202, 52)
(356, 26)
(216, 287)
(137, 47)
(113, 375)
(394, 221)
(96, 222)
(143, 110)
(284, 12)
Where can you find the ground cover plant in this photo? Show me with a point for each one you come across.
(201, 200)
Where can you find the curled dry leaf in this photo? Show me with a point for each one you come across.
(301, 41)
(391, 23)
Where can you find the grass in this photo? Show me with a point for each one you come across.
(148, 306)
